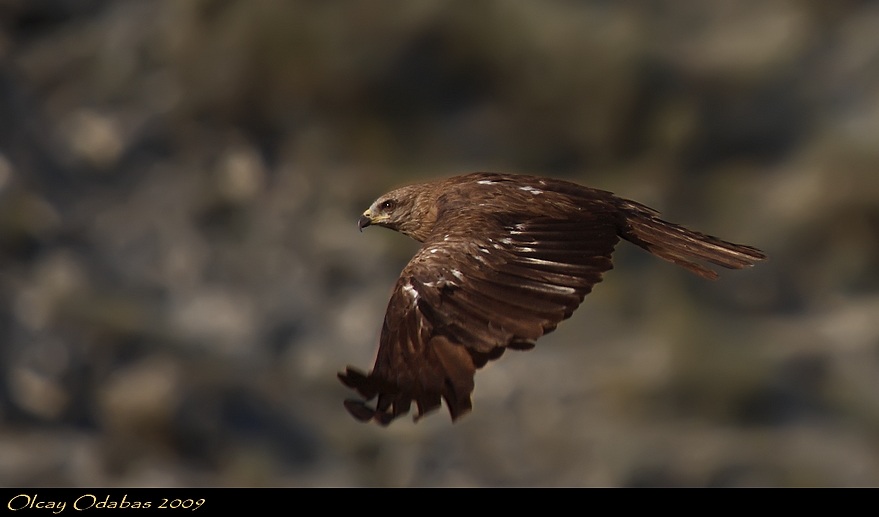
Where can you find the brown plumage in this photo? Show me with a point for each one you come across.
(505, 258)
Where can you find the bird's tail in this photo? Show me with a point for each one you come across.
(674, 243)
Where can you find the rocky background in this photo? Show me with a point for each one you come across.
(181, 276)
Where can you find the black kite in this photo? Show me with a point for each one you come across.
(505, 258)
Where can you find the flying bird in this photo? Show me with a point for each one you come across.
(504, 259)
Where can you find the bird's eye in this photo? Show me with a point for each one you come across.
(387, 205)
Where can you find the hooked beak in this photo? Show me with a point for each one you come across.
(364, 221)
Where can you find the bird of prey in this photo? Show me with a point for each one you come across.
(504, 259)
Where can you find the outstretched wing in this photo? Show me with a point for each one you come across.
(466, 296)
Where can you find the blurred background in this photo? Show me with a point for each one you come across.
(181, 275)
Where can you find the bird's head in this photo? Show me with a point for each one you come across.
(406, 210)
